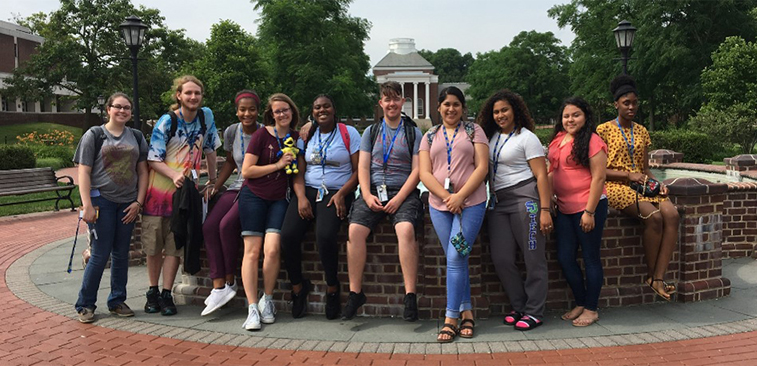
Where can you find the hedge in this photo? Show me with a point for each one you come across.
(697, 147)
(16, 157)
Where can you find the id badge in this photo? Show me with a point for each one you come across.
(322, 192)
(194, 174)
(448, 185)
(315, 159)
(383, 196)
(492, 203)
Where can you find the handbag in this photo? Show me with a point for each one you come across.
(458, 241)
(650, 187)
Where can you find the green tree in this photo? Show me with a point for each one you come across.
(83, 53)
(449, 64)
(534, 65)
(315, 47)
(730, 88)
(672, 45)
(230, 62)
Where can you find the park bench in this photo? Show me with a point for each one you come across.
(17, 182)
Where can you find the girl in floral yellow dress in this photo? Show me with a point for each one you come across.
(627, 145)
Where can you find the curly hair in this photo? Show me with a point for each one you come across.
(311, 117)
(268, 119)
(622, 85)
(522, 117)
(580, 151)
(178, 87)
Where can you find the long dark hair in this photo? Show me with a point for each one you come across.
(522, 117)
(580, 152)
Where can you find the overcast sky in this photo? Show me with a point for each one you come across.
(467, 25)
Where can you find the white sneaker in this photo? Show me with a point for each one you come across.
(267, 311)
(253, 318)
(217, 299)
(234, 288)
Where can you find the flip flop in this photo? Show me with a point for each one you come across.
(466, 324)
(660, 294)
(452, 333)
(669, 287)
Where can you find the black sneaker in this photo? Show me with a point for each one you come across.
(152, 305)
(354, 302)
(300, 301)
(411, 308)
(166, 303)
(333, 304)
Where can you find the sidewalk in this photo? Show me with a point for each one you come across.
(37, 325)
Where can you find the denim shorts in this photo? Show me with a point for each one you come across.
(260, 216)
(411, 210)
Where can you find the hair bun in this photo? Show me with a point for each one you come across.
(622, 85)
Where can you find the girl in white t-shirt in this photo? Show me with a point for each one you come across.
(519, 205)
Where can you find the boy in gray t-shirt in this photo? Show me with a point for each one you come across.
(388, 177)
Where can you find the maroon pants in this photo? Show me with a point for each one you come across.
(222, 236)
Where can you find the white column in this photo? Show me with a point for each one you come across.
(428, 101)
(402, 87)
(415, 100)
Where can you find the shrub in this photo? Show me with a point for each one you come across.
(55, 137)
(544, 134)
(697, 147)
(53, 163)
(16, 157)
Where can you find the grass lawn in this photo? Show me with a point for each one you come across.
(9, 133)
(23, 208)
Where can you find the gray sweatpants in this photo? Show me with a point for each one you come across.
(514, 223)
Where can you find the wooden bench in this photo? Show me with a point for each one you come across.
(24, 181)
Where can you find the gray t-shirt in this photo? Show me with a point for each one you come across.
(400, 163)
(232, 143)
(114, 170)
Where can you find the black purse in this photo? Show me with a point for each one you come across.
(650, 187)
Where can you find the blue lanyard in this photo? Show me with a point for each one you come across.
(388, 151)
(497, 151)
(276, 135)
(449, 146)
(191, 144)
(630, 146)
(323, 147)
(241, 139)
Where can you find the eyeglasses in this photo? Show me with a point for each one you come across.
(121, 107)
(282, 111)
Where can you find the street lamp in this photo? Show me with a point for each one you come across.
(133, 33)
(101, 103)
(624, 40)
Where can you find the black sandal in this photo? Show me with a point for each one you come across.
(452, 333)
(651, 284)
(669, 287)
(530, 323)
(464, 325)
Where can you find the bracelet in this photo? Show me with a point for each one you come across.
(138, 204)
(589, 212)
(546, 209)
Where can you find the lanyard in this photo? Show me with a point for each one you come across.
(630, 146)
(241, 139)
(323, 148)
(278, 140)
(186, 132)
(497, 151)
(388, 151)
(449, 146)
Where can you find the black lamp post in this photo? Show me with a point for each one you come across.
(624, 40)
(101, 103)
(133, 33)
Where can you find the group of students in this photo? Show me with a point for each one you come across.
(290, 179)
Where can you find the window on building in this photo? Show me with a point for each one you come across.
(420, 107)
(4, 104)
(24, 106)
(408, 106)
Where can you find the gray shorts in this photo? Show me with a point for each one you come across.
(410, 211)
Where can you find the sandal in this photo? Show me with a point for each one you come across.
(660, 294)
(527, 322)
(512, 318)
(452, 333)
(578, 322)
(466, 324)
(669, 287)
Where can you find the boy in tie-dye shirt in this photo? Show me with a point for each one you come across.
(174, 161)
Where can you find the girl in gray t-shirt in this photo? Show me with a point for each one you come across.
(112, 176)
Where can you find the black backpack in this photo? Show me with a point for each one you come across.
(175, 123)
(409, 127)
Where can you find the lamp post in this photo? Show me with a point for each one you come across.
(101, 103)
(133, 33)
(624, 40)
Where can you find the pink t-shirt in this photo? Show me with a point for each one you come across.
(571, 181)
(462, 166)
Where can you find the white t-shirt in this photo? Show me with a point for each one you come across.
(513, 157)
(338, 164)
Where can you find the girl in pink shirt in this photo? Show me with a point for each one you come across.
(453, 161)
(577, 161)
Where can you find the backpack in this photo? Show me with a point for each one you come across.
(343, 131)
(100, 138)
(175, 124)
(469, 127)
(409, 126)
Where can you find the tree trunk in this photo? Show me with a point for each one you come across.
(651, 114)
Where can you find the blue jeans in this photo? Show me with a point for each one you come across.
(113, 240)
(259, 216)
(569, 235)
(447, 226)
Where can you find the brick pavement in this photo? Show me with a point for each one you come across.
(32, 336)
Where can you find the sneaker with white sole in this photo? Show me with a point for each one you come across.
(217, 299)
(267, 311)
(253, 318)
(233, 286)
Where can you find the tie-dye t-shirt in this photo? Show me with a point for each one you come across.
(114, 170)
(178, 155)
